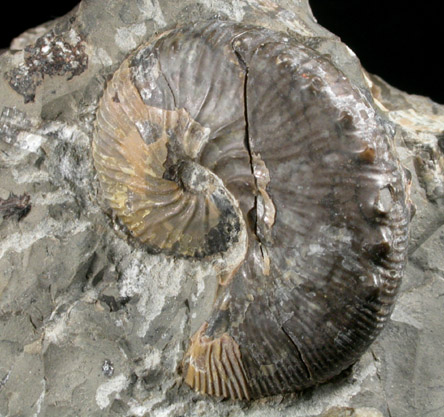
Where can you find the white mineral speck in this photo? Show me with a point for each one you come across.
(29, 141)
(128, 38)
(101, 57)
(314, 248)
(104, 391)
(151, 10)
(152, 359)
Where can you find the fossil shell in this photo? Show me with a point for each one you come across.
(220, 130)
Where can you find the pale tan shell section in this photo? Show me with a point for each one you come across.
(215, 366)
(157, 211)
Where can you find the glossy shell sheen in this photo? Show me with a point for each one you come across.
(219, 136)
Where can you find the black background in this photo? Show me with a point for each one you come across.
(401, 41)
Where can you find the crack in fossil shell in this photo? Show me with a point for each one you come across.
(223, 138)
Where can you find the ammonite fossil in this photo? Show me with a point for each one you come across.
(220, 135)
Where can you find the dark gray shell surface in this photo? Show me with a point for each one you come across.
(219, 135)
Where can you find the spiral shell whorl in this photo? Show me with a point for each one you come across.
(219, 130)
(145, 157)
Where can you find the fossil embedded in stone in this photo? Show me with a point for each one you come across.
(219, 130)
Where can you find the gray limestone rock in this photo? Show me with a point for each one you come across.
(93, 325)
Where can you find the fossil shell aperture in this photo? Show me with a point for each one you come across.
(221, 134)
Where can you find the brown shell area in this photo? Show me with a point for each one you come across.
(219, 128)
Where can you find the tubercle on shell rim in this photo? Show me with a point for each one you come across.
(221, 135)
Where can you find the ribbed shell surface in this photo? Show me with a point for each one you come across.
(218, 127)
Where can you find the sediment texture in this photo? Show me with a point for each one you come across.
(92, 323)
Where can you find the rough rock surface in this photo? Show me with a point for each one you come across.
(92, 325)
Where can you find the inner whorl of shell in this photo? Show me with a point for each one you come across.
(218, 128)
